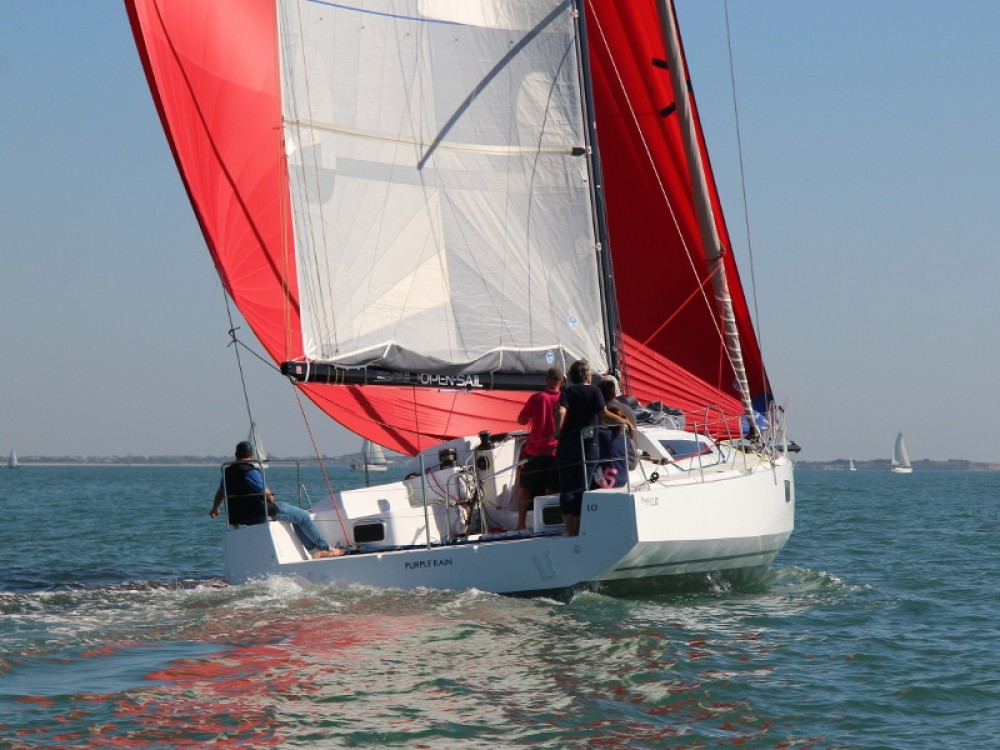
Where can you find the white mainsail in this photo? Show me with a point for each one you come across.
(430, 234)
(12, 460)
(900, 461)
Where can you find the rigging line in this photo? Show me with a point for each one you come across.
(266, 361)
(322, 466)
(239, 361)
(682, 305)
(416, 419)
(743, 182)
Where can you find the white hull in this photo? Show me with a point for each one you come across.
(900, 469)
(732, 517)
(369, 467)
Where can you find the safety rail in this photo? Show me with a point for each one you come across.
(729, 432)
(452, 493)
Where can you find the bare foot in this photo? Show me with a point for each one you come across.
(332, 552)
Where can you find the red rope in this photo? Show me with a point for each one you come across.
(681, 306)
(322, 466)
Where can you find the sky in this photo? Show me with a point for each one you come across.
(868, 137)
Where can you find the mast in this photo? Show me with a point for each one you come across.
(609, 300)
(710, 241)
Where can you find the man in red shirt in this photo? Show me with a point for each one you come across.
(539, 475)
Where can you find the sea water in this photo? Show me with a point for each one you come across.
(877, 628)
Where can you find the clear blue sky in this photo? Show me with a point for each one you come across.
(870, 144)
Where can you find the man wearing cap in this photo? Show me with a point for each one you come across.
(250, 502)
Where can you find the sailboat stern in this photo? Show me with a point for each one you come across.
(254, 552)
(731, 526)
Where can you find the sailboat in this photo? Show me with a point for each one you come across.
(259, 451)
(900, 461)
(419, 206)
(850, 465)
(372, 458)
(12, 460)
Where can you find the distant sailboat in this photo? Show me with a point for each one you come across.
(850, 465)
(900, 461)
(372, 458)
(12, 461)
(259, 451)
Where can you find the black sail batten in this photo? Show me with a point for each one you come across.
(327, 374)
(609, 300)
(668, 110)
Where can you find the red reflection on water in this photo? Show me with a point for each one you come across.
(40, 700)
(238, 698)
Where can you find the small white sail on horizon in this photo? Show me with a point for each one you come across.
(372, 458)
(850, 465)
(259, 451)
(12, 460)
(900, 461)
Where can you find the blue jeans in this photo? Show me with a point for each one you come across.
(302, 522)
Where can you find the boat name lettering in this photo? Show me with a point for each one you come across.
(651, 501)
(428, 564)
(451, 381)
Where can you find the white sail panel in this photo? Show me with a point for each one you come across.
(900, 456)
(442, 209)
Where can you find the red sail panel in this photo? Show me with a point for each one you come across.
(653, 377)
(212, 68)
(409, 421)
(664, 293)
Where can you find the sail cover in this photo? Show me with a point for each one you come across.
(471, 132)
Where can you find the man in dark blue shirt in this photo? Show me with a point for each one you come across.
(581, 405)
(250, 502)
